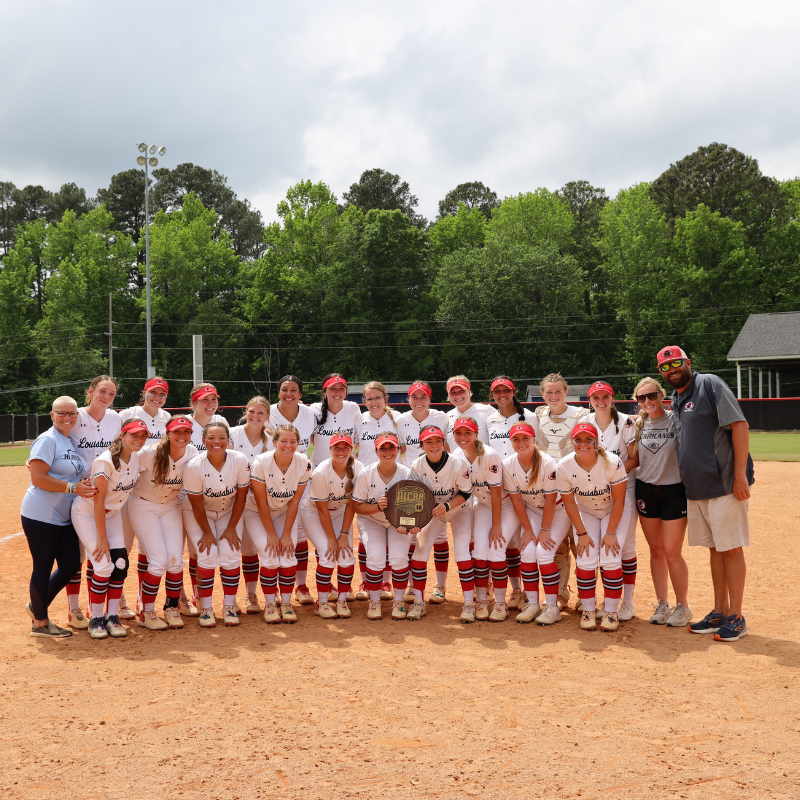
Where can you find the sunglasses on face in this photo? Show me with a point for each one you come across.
(667, 366)
(649, 396)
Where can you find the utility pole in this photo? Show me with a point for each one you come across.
(110, 340)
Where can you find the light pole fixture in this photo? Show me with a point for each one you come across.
(144, 161)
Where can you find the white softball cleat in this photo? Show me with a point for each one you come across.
(150, 620)
(374, 610)
(173, 617)
(229, 616)
(549, 616)
(529, 612)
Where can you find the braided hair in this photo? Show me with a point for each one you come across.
(323, 415)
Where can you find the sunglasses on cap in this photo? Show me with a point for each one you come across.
(641, 398)
(668, 365)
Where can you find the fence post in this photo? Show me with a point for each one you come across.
(12, 430)
(197, 359)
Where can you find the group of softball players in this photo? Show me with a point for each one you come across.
(519, 491)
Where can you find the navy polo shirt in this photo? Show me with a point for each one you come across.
(703, 416)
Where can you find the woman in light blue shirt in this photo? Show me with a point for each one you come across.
(56, 470)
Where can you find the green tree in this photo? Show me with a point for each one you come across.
(7, 222)
(70, 197)
(472, 195)
(533, 219)
(466, 228)
(379, 189)
(30, 203)
(124, 200)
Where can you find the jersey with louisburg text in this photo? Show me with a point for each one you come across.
(515, 480)
(485, 472)
(327, 486)
(478, 412)
(344, 420)
(445, 484)
(120, 482)
(218, 489)
(592, 490)
(367, 430)
(156, 426)
(90, 437)
(370, 487)
(197, 430)
(305, 422)
(554, 432)
(281, 486)
(409, 427)
(498, 426)
(242, 444)
(169, 491)
(616, 438)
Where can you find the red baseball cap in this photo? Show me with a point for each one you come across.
(464, 423)
(521, 427)
(670, 354)
(180, 422)
(338, 438)
(583, 427)
(381, 437)
(205, 391)
(600, 386)
(333, 381)
(157, 383)
(503, 382)
(420, 387)
(430, 432)
(458, 382)
(134, 425)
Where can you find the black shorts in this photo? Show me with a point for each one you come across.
(661, 502)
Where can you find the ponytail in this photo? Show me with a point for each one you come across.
(323, 416)
(615, 417)
(351, 474)
(115, 450)
(161, 462)
(535, 466)
(479, 449)
(518, 407)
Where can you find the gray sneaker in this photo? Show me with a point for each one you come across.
(661, 613)
(681, 616)
(50, 631)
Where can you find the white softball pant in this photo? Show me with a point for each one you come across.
(376, 537)
(629, 549)
(559, 528)
(436, 531)
(596, 528)
(87, 533)
(310, 523)
(482, 524)
(159, 531)
(258, 534)
(222, 552)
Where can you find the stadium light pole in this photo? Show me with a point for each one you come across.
(144, 161)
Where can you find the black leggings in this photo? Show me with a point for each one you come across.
(48, 544)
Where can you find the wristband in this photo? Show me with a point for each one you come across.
(611, 533)
(543, 529)
(585, 533)
(345, 533)
(447, 507)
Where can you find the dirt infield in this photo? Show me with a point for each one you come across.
(352, 708)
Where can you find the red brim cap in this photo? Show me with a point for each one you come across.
(503, 382)
(201, 394)
(157, 383)
(463, 384)
(600, 386)
(429, 433)
(333, 381)
(341, 438)
(521, 427)
(387, 436)
(420, 387)
(134, 425)
(465, 423)
(181, 422)
(583, 427)
(670, 354)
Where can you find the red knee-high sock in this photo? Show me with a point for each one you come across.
(530, 578)
(205, 585)
(301, 552)
(113, 596)
(173, 583)
(514, 561)
(250, 568)
(230, 584)
(149, 589)
(587, 583)
(345, 578)
(612, 583)
(466, 574)
(499, 574)
(269, 581)
(286, 578)
(441, 557)
(362, 561)
(98, 589)
(629, 568)
(193, 575)
(481, 573)
(400, 578)
(323, 578)
(89, 574)
(374, 580)
(73, 588)
(419, 575)
(141, 568)
(551, 576)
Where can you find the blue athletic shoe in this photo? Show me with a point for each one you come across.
(732, 629)
(710, 623)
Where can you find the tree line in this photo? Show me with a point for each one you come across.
(568, 280)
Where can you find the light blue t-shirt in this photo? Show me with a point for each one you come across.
(56, 450)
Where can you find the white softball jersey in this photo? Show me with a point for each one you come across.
(156, 426)
(281, 486)
(515, 480)
(616, 438)
(169, 492)
(241, 444)
(446, 483)
(197, 430)
(305, 422)
(592, 490)
(498, 426)
(485, 473)
(327, 486)
(367, 430)
(554, 432)
(479, 412)
(90, 437)
(370, 487)
(218, 489)
(409, 427)
(345, 420)
(120, 482)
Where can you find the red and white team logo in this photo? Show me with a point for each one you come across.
(689, 406)
(494, 468)
(640, 504)
(552, 477)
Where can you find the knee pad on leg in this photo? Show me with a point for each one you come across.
(119, 558)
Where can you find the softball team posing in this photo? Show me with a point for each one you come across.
(248, 498)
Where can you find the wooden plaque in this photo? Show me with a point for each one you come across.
(411, 504)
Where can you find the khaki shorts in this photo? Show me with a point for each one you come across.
(720, 523)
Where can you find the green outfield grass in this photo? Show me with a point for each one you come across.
(11, 456)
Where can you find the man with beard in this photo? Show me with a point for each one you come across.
(717, 471)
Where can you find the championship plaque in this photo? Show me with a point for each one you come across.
(411, 504)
